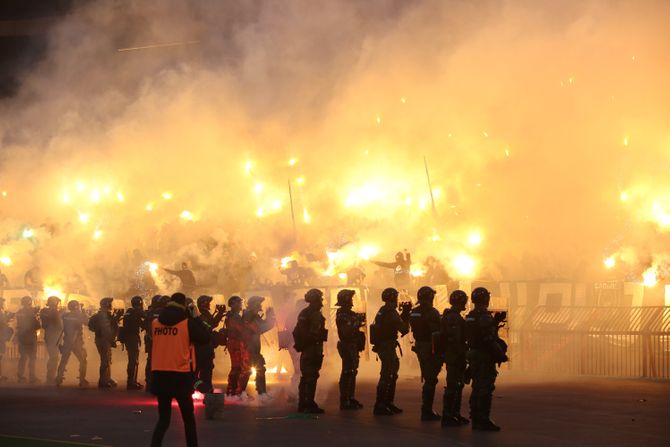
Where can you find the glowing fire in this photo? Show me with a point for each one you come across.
(649, 278)
(6, 261)
(609, 262)
(465, 265)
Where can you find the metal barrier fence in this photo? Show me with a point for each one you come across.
(600, 341)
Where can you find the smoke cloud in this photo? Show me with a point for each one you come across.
(169, 131)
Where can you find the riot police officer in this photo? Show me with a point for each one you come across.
(425, 323)
(453, 336)
(73, 342)
(309, 336)
(158, 302)
(257, 325)
(485, 349)
(204, 354)
(27, 326)
(5, 333)
(351, 342)
(237, 346)
(105, 324)
(384, 338)
(133, 324)
(52, 323)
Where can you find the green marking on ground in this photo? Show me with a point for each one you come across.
(22, 441)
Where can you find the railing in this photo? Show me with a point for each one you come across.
(600, 341)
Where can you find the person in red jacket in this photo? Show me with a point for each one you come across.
(174, 333)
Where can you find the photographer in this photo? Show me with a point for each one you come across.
(204, 354)
(105, 324)
(27, 326)
(384, 338)
(351, 342)
(174, 333)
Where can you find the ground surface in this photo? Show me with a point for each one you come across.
(582, 412)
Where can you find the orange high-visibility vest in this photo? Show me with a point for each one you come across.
(171, 349)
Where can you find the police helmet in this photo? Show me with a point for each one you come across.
(313, 296)
(26, 301)
(203, 300)
(481, 296)
(106, 302)
(178, 298)
(73, 305)
(255, 301)
(233, 300)
(458, 298)
(389, 294)
(156, 300)
(164, 299)
(136, 301)
(425, 293)
(345, 297)
(53, 300)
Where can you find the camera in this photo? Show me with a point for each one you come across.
(361, 319)
(220, 308)
(405, 307)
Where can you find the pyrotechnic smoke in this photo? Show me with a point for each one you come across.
(544, 125)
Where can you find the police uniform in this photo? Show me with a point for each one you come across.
(425, 321)
(483, 354)
(173, 366)
(237, 349)
(52, 324)
(453, 329)
(5, 335)
(27, 325)
(73, 343)
(348, 330)
(256, 325)
(389, 324)
(311, 356)
(133, 323)
(205, 353)
(106, 329)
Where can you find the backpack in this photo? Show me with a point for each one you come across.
(300, 335)
(93, 323)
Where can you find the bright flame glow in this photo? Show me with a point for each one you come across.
(119, 196)
(167, 195)
(28, 233)
(149, 207)
(293, 162)
(609, 262)
(186, 215)
(258, 188)
(66, 197)
(368, 251)
(248, 166)
(95, 196)
(475, 239)
(623, 196)
(53, 291)
(417, 270)
(97, 234)
(153, 267)
(84, 217)
(649, 277)
(285, 261)
(6, 261)
(305, 216)
(300, 180)
(465, 265)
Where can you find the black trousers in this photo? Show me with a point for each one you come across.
(185, 403)
(133, 350)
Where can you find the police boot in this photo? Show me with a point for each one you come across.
(449, 418)
(352, 391)
(301, 396)
(344, 392)
(134, 386)
(427, 413)
(391, 397)
(381, 407)
(310, 404)
(483, 421)
(457, 408)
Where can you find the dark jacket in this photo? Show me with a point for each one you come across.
(133, 323)
(175, 383)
